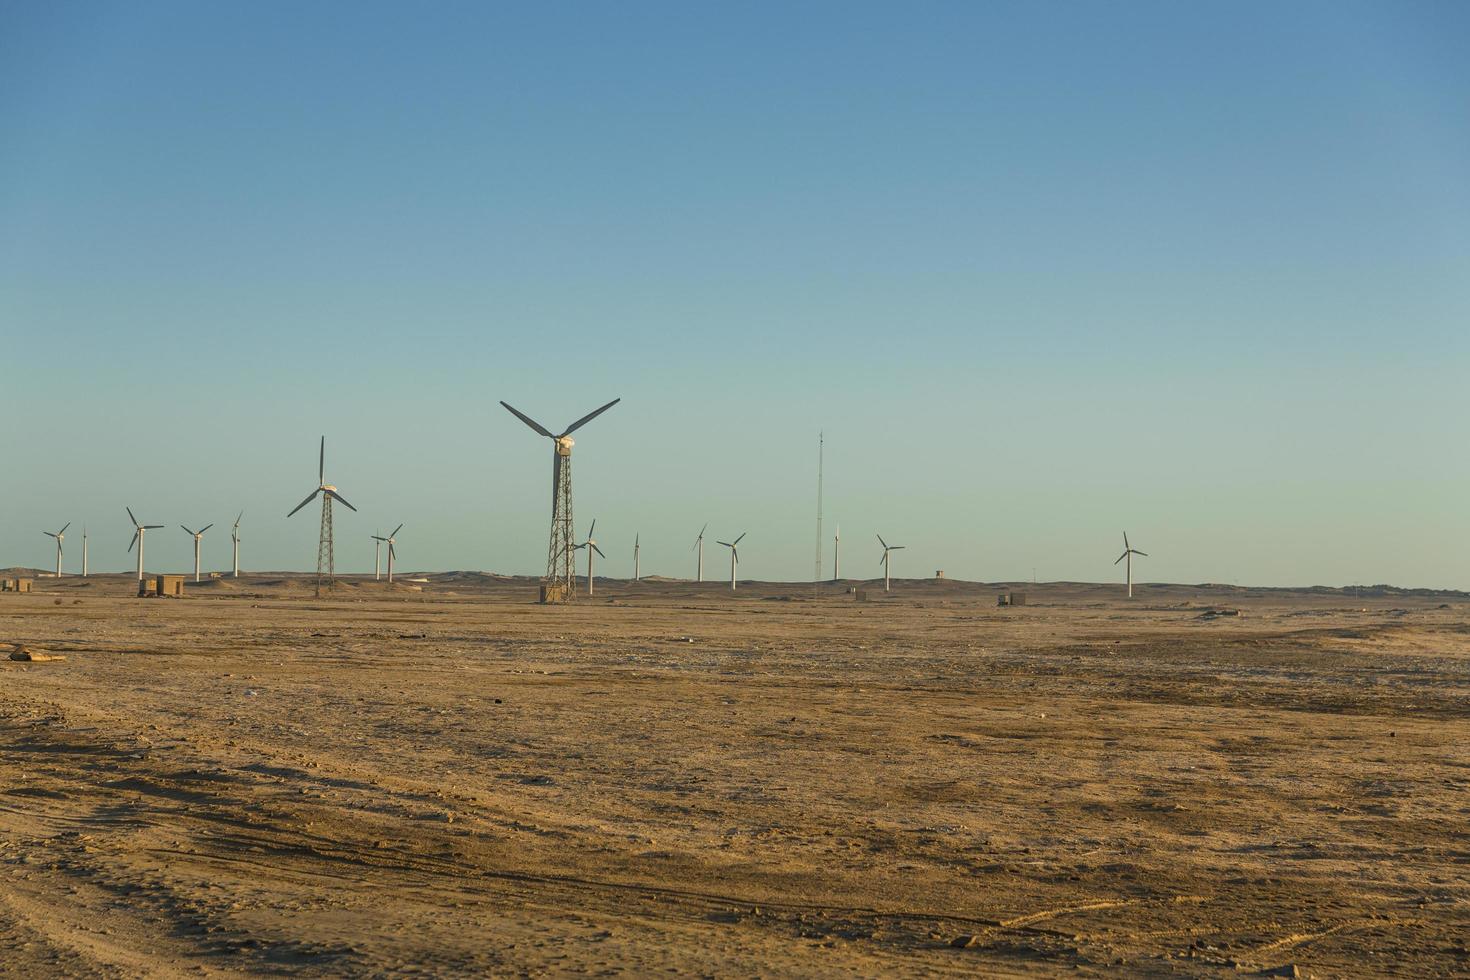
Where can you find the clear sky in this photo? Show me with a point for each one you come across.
(1043, 272)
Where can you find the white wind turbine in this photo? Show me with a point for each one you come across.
(58, 536)
(378, 540)
(84, 551)
(636, 576)
(1128, 552)
(837, 555)
(197, 535)
(591, 545)
(235, 542)
(884, 561)
(734, 547)
(392, 552)
(138, 530)
(699, 545)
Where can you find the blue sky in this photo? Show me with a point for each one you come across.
(1042, 272)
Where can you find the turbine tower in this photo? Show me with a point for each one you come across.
(326, 569)
(138, 530)
(235, 541)
(58, 536)
(84, 551)
(1128, 552)
(837, 554)
(378, 540)
(699, 545)
(635, 557)
(884, 561)
(392, 553)
(734, 547)
(560, 566)
(197, 535)
(591, 545)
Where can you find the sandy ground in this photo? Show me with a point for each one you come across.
(671, 779)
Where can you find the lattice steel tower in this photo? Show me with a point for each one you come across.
(560, 568)
(560, 564)
(326, 572)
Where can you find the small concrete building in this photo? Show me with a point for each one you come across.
(168, 586)
(15, 585)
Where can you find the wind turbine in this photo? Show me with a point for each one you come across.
(197, 535)
(560, 568)
(699, 544)
(734, 547)
(378, 540)
(837, 555)
(392, 553)
(84, 551)
(635, 557)
(324, 557)
(884, 561)
(235, 541)
(1128, 552)
(138, 530)
(58, 536)
(591, 545)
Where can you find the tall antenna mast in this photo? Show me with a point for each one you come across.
(817, 575)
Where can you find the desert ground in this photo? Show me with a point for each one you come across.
(442, 777)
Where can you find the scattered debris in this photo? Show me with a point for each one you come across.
(28, 655)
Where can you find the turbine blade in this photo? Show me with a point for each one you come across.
(1126, 545)
(134, 541)
(152, 527)
(131, 517)
(309, 498)
(392, 553)
(589, 417)
(555, 477)
(186, 529)
(528, 420)
(377, 538)
(321, 463)
(725, 543)
(205, 528)
(597, 549)
(1143, 553)
(395, 531)
(237, 520)
(341, 498)
(1121, 557)
(48, 534)
(741, 538)
(882, 542)
(898, 547)
(63, 530)
(592, 529)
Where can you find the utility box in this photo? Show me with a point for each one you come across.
(147, 587)
(862, 595)
(939, 573)
(553, 593)
(16, 585)
(1018, 598)
(1004, 599)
